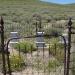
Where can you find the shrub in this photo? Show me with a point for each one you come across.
(52, 64)
(25, 47)
(53, 32)
(17, 62)
(57, 49)
(73, 71)
(0, 61)
(73, 64)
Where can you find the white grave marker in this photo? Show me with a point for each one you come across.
(40, 40)
(14, 35)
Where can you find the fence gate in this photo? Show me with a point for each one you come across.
(29, 58)
(32, 54)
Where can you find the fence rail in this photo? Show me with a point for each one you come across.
(26, 58)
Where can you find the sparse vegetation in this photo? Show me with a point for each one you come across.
(0, 62)
(17, 13)
(73, 64)
(18, 16)
(57, 49)
(52, 64)
(17, 62)
(53, 32)
(25, 46)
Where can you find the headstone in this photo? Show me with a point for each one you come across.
(40, 40)
(14, 35)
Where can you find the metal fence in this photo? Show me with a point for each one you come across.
(46, 60)
(26, 58)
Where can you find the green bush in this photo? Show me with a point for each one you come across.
(17, 62)
(53, 31)
(73, 64)
(49, 66)
(73, 71)
(1, 62)
(52, 64)
(57, 49)
(25, 47)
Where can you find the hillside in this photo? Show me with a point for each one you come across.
(30, 7)
(17, 13)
